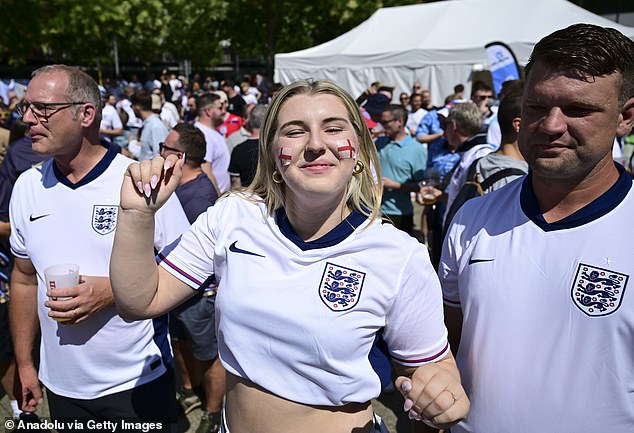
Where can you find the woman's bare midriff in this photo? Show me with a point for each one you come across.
(251, 409)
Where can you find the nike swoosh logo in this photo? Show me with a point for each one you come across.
(32, 218)
(472, 261)
(235, 249)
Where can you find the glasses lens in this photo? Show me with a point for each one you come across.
(39, 110)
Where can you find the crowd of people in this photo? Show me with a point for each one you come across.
(262, 253)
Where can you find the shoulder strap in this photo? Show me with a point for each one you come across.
(473, 188)
(499, 175)
(448, 176)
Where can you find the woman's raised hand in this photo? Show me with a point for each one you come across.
(148, 184)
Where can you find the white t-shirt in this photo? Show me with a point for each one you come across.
(459, 176)
(110, 118)
(55, 222)
(301, 323)
(218, 155)
(250, 99)
(169, 115)
(413, 119)
(548, 331)
(133, 121)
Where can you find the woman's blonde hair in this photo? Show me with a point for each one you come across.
(364, 190)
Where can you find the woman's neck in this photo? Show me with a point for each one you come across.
(313, 222)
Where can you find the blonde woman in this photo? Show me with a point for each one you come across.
(310, 280)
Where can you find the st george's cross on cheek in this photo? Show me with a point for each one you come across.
(346, 149)
(285, 156)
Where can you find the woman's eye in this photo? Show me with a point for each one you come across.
(294, 133)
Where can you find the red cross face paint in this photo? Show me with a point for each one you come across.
(285, 156)
(346, 149)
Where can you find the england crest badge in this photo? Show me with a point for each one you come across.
(597, 291)
(104, 218)
(340, 287)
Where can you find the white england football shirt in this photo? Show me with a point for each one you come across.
(301, 319)
(54, 221)
(218, 155)
(548, 334)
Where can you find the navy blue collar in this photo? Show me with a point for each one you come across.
(474, 140)
(592, 211)
(93, 174)
(333, 237)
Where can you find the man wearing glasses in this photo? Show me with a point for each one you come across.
(482, 95)
(402, 161)
(94, 364)
(192, 324)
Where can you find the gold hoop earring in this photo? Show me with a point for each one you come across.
(358, 168)
(277, 177)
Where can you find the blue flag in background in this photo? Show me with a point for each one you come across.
(502, 64)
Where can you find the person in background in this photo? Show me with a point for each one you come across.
(427, 105)
(403, 163)
(458, 91)
(5, 132)
(372, 89)
(509, 88)
(132, 124)
(403, 98)
(508, 155)
(462, 128)
(111, 125)
(417, 87)
(210, 115)
(372, 110)
(482, 95)
(462, 132)
(309, 219)
(192, 323)
(146, 144)
(417, 112)
(497, 169)
(244, 157)
(250, 94)
(166, 110)
(230, 122)
(191, 112)
(236, 102)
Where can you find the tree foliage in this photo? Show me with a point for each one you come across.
(85, 32)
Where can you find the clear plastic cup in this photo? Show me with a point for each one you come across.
(60, 277)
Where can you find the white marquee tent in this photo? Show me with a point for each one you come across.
(438, 43)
